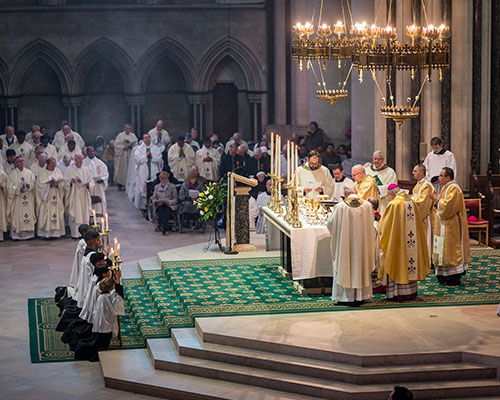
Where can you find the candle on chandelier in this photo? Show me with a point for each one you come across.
(107, 222)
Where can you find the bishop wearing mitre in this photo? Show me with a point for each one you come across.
(21, 201)
(208, 160)
(50, 201)
(79, 180)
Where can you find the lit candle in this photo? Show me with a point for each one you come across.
(102, 225)
(94, 220)
(116, 242)
(118, 250)
(278, 153)
(107, 224)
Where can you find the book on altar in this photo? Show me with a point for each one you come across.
(194, 194)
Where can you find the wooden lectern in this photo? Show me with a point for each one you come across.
(237, 222)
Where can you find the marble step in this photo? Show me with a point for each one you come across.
(133, 371)
(166, 357)
(380, 360)
(188, 343)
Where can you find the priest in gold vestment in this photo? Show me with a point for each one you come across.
(79, 180)
(353, 248)
(124, 143)
(404, 245)
(366, 186)
(314, 178)
(50, 201)
(21, 201)
(451, 253)
(424, 203)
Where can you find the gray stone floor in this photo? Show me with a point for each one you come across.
(33, 269)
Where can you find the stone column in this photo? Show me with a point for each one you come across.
(10, 111)
(476, 84)
(446, 83)
(280, 61)
(197, 103)
(72, 105)
(495, 85)
(136, 108)
(485, 85)
(461, 87)
(364, 98)
(256, 128)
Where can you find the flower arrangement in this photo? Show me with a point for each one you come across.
(211, 200)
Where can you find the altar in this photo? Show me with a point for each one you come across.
(305, 251)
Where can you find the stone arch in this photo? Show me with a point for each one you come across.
(39, 49)
(237, 51)
(166, 47)
(109, 50)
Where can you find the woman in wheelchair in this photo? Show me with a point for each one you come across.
(190, 190)
(165, 201)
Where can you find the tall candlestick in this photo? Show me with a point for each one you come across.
(102, 225)
(288, 161)
(115, 244)
(107, 224)
(118, 250)
(273, 169)
(278, 152)
(296, 164)
(94, 221)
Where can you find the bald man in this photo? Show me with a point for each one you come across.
(366, 185)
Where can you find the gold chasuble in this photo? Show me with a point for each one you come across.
(403, 241)
(451, 231)
(426, 207)
(367, 188)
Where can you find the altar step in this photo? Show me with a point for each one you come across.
(187, 367)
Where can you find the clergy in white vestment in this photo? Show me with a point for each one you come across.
(30, 135)
(8, 138)
(313, 178)
(339, 181)
(64, 164)
(100, 173)
(61, 137)
(33, 159)
(2, 154)
(8, 165)
(92, 243)
(124, 143)
(22, 147)
(70, 148)
(79, 253)
(3, 203)
(159, 136)
(436, 160)
(236, 139)
(79, 181)
(147, 164)
(101, 271)
(384, 176)
(21, 201)
(181, 158)
(39, 165)
(49, 149)
(353, 246)
(208, 161)
(50, 201)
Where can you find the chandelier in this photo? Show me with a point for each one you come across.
(372, 48)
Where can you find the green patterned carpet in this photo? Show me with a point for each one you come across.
(181, 291)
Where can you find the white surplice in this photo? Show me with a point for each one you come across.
(78, 202)
(99, 171)
(122, 156)
(77, 262)
(145, 170)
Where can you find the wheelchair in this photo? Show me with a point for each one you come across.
(152, 216)
(183, 217)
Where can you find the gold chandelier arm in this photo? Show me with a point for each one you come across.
(314, 12)
(322, 77)
(391, 96)
(320, 14)
(347, 77)
(349, 9)
(425, 12)
(314, 72)
(417, 97)
(374, 77)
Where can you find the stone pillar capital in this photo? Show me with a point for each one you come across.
(255, 97)
(197, 98)
(73, 101)
(9, 102)
(135, 100)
